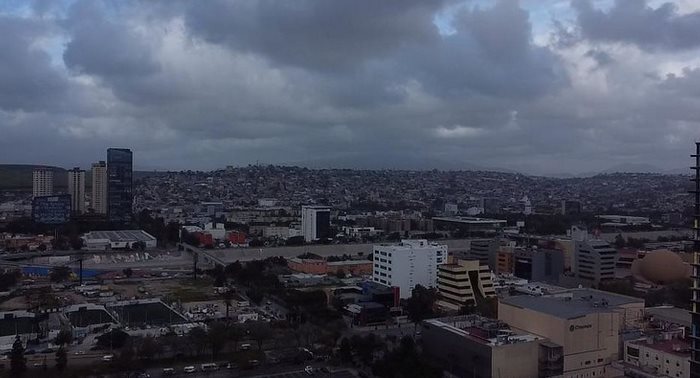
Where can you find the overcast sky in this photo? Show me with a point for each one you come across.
(538, 86)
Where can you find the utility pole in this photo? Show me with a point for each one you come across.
(80, 271)
(195, 258)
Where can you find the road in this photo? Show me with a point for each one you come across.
(281, 371)
(230, 255)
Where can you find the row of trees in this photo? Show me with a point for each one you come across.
(386, 360)
(18, 361)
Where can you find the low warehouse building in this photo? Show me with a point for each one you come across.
(122, 239)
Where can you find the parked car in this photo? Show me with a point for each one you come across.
(209, 367)
(168, 371)
(107, 358)
(190, 369)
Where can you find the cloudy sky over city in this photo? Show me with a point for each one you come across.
(535, 86)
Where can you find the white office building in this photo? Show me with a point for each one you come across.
(42, 182)
(76, 189)
(594, 259)
(315, 222)
(99, 187)
(407, 264)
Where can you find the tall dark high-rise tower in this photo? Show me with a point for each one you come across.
(695, 292)
(119, 185)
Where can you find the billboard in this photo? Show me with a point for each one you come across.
(51, 209)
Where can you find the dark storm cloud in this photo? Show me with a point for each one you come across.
(27, 79)
(636, 22)
(111, 50)
(491, 53)
(323, 35)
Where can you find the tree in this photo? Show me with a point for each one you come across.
(76, 243)
(256, 243)
(420, 305)
(113, 339)
(61, 359)
(260, 332)
(60, 273)
(295, 240)
(64, 337)
(148, 348)
(345, 351)
(619, 241)
(9, 279)
(18, 363)
(198, 337)
(488, 307)
(234, 333)
(125, 360)
(217, 336)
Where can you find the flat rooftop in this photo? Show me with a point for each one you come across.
(120, 236)
(676, 347)
(470, 333)
(573, 303)
(670, 314)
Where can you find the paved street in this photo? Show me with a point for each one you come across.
(281, 371)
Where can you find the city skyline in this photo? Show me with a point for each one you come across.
(418, 85)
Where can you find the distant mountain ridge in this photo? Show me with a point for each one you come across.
(19, 176)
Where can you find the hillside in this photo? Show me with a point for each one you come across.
(19, 177)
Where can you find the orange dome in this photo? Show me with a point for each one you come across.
(660, 266)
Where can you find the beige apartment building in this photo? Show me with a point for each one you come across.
(42, 182)
(463, 282)
(662, 357)
(99, 187)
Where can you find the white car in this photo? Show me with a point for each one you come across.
(189, 369)
(107, 358)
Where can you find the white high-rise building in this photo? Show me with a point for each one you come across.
(99, 187)
(315, 222)
(594, 259)
(407, 264)
(42, 182)
(76, 189)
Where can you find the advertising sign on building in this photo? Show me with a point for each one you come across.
(51, 209)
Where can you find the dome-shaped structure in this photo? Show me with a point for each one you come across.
(660, 267)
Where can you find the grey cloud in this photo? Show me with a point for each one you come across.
(28, 81)
(636, 22)
(322, 35)
(102, 47)
(491, 53)
(601, 57)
